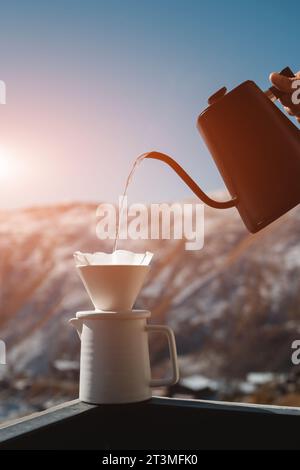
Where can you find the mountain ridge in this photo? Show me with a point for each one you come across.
(192, 291)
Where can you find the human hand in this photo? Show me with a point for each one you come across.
(287, 85)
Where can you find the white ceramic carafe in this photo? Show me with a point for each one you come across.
(114, 359)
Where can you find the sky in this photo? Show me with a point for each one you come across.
(93, 84)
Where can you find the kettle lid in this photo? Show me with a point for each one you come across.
(217, 96)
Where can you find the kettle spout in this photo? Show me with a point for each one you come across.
(77, 324)
(190, 182)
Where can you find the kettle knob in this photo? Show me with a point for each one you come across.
(217, 96)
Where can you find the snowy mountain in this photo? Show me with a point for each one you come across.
(234, 305)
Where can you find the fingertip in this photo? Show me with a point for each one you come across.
(289, 111)
(281, 82)
(271, 76)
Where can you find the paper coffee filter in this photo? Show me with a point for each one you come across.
(118, 257)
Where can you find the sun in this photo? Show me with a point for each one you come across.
(7, 164)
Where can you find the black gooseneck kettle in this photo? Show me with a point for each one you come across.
(256, 149)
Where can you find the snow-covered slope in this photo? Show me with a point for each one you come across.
(234, 305)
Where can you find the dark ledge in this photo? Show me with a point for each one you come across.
(160, 423)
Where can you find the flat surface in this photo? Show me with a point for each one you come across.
(159, 423)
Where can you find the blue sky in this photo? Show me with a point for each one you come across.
(92, 84)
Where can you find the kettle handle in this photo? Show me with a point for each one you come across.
(190, 182)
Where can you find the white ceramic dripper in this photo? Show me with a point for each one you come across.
(113, 280)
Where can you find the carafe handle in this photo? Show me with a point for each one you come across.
(173, 356)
